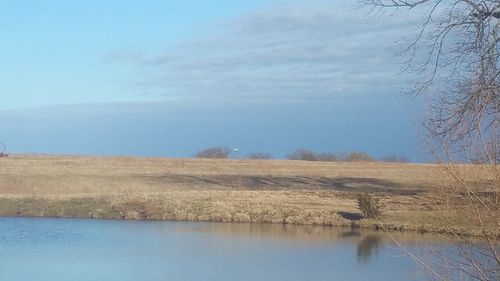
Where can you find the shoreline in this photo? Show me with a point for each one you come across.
(25, 209)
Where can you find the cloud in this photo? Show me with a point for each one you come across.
(286, 51)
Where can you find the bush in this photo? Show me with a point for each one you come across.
(214, 153)
(302, 154)
(395, 159)
(260, 156)
(369, 206)
(354, 156)
(329, 157)
(357, 156)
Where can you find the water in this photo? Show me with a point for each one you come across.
(79, 249)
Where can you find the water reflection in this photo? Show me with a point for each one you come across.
(368, 243)
(369, 246)
(282, 232)
(351, 233)
(78, 250)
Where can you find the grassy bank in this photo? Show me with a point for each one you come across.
(270, 191)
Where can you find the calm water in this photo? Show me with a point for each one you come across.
(77, 249)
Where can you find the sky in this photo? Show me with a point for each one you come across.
(168, 78)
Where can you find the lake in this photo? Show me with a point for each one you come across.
(83, 249)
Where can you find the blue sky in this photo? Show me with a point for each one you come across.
(167, 78)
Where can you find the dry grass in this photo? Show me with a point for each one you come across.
(275, 191)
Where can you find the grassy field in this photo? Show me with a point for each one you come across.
(270, 191)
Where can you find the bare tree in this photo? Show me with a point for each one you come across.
(358, 156)
(259, 156)
(214, 153)
(309, 155)
(455, 56)
(2, 150)
(395, 159)
(329, 157)
(303, 154)
(457, 43)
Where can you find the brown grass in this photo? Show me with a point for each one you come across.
(274, 191)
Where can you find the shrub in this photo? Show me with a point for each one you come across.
(395, 159)
(259, 156)
(357, 156)
(214, 153)
(302, 154)
(369, 206)
(329, 157)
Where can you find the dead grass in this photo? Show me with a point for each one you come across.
(273, 191)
